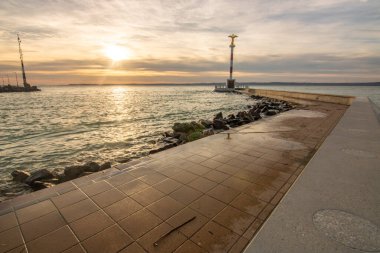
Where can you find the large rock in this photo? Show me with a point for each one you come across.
(105, 166)
(161, 148)
(91, 167)
(171, 140)
(38, 185)
(72, 172)
(219, 124)
(271, 113)
(219, 115)
(195, 136)
(20, 175)
(39, 175)
(208, 132)
(206, 123)
(187, 127)
(123, 159)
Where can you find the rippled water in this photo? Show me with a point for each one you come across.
(62, 126)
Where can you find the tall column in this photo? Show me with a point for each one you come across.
(231, 81)
(231, 61)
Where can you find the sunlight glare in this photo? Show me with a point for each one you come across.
(117, 53)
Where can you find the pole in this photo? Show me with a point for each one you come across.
(16, 78)
(8, 80)
(3, 80)
(230, 81)
(26, 85)
(231, 61)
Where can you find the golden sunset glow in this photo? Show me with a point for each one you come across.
(117, 53)
(187, 41)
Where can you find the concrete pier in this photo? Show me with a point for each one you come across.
(334, 206)
(230, 185)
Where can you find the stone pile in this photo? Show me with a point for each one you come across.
(44, 178)
(190, 131)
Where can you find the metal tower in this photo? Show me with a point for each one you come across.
(26, 85)
(231, 81)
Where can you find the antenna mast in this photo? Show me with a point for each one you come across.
(26, 85)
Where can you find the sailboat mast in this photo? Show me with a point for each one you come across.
(26, 85)
(16, 78)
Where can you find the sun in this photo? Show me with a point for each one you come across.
(117, 53)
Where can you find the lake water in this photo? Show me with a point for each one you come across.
(62, 126)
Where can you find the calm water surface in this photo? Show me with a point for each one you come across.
(62, 126)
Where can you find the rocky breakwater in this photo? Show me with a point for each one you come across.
(189, 131)
(44, 178)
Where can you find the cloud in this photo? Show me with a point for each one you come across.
(66, 38)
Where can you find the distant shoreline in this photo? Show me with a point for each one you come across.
(242, 83)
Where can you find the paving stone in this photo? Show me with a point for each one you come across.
(249, 204)
(185, 215)
(7, 221)
(140, 223)
(184, 177)
(207, 206)
(69, 198)
(216, 176)
(133, 187)
(56, 241)
(34, 211)
(152, 178)
(78, 210)
(10, 239)
(115, 237)
(75, 249)
(42, 225)
(223, 193)
(234, 219)
(96, 188)
(122, 209)
(133, 248)
(202, 184)
(167, 186)
(168, 244)
(108, 197)
(120, 179)
(189, 247)
(165, 207)
(215, 238)
(185, 194)
(91, 224)
(147, 196)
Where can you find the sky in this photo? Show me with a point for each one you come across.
(186, 41)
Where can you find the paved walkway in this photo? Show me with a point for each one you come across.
(334, 206)
(230, 186)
